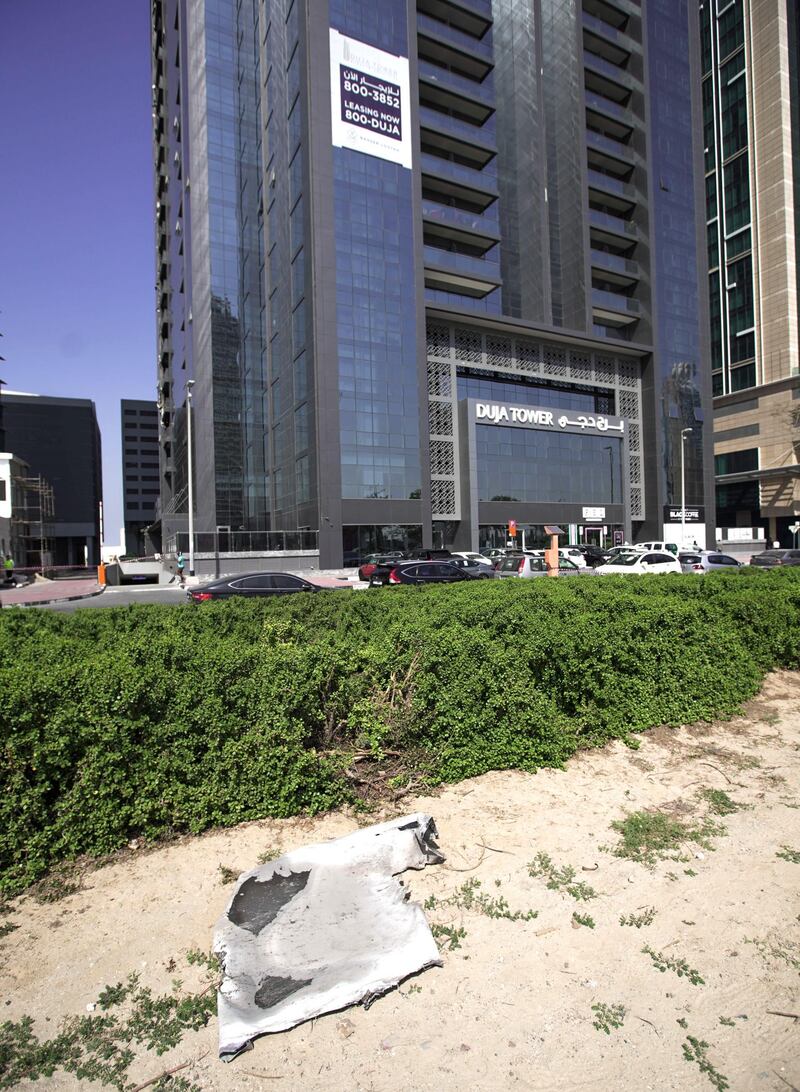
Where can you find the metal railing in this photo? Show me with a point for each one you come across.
(244, 542)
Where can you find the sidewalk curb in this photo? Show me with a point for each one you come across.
(58, 599)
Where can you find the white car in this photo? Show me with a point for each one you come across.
(658, 547)
(468, 555)
(571, 553)
(639, 561)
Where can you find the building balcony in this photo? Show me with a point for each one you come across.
(610, 42)
(465, 98)
(611, 309)
(473, 17)
(448, 182)
(615, 268)
(616, 149)
(449, 136)
(612, 191)
(483, 229)
(446, 44)
(614, 12)
(613, 231)
(608, 79)
(460, 273)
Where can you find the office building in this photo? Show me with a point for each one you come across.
(140, 468)
(751, 116)
(60, 441)
(432, 268)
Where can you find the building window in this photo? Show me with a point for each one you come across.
(736, 462)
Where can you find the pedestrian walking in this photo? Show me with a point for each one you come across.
(8, 566)
(181, 562)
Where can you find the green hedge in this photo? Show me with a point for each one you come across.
(145, 721)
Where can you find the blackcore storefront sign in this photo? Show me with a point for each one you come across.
(495, 413)
(695, 513)
(369, 100)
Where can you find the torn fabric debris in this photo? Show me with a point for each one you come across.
(321, 928)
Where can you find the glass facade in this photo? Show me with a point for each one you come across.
(675, 291)
(376, 319)
(236, 346)
(728, 205)
(535, 394)
(532, 465)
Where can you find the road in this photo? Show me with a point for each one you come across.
(168, 594)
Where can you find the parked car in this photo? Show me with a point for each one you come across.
(421, 572)
(494, 552)
(638, 561)
(471, 556)
(573, 554)
(423, 553)
(367, 567)
(482, 569)
(769, 559)
(527, 566)
(251, 584)
(706, 561)
(593, 555)
(658, 547)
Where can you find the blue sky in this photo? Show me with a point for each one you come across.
(76, 209)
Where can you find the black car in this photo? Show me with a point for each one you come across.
(251, 584)
(771, 559)
(593, 555)
(424, 553)
(421, 572)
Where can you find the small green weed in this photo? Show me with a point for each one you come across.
(607, 1017)
(689, 872)
(726, 1020)
(448, 935)
(639, 920)
(786, 853)
(681, 968)
(787, 951)
(719, 802)
(227, 875)
(683, 1023)
(584, 919)
(558, 878)
(7, 927)
(470, 897)
(650, 836)
(695, 1050)
(99, 1047)
(271, 853)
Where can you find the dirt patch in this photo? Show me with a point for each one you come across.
(542, 986)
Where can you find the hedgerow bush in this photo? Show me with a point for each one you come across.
(148, 721)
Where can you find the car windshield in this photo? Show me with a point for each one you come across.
(625, 559)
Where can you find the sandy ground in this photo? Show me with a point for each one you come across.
(511, 1007)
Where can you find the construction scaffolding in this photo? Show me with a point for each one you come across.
(32, 517)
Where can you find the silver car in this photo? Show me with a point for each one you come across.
(527, 566)
(706, 561)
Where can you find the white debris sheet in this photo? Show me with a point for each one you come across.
(321, 928)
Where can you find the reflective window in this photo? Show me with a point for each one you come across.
(737, 193)
(734, 116)
(533, 465)
(496, 389)
(736, 462)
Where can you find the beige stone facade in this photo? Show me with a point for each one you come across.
(767, 416)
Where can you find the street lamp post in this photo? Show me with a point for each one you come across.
(189, 385)
(684, 433)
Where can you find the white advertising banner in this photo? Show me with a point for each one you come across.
(370, 100)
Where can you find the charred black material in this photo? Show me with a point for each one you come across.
(258, 902)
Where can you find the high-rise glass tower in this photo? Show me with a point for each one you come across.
(433, 267)
(751, 121)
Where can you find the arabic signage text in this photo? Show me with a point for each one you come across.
(370, 97)
(496, 413)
